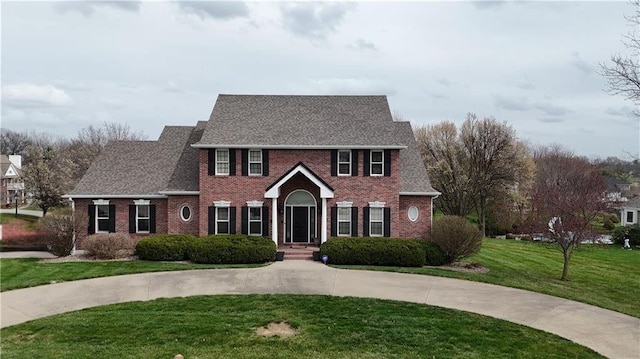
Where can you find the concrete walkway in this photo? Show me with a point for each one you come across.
(610, 333)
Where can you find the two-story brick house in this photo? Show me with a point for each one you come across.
(298, 169)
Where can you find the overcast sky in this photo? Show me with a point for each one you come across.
(67, 65)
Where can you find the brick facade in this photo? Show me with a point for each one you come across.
(421, 227)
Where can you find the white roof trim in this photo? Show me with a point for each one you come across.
(274, 192)
(306, 147)
(436, 193)
(113, 196)
(180, 193)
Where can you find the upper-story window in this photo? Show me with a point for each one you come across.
(344, 163)
(377, 163)
(222, 162)
(255, 162)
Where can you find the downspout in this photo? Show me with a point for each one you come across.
(73, 218)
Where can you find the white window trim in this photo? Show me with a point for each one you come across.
(255, 203)
(181, 213)
(138, 218)
(249, 220)
(349, 163)
(377, 204)
(339, 220)
(409, 213)
(228, 162)
(221, 203)
(371, 163)
(254, 162)
(344, 204)
(142, 202)
(101, 202)
(380, 221)
(227, 220)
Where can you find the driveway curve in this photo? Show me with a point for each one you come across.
(609, 333)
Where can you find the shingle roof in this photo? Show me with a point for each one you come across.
(413, 174)
(142, 167)
(300, 121)
(632, 203)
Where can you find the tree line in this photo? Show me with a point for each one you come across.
(52, 166)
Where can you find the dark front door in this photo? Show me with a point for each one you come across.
(300, 224)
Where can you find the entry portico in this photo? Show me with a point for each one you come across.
(273, 192)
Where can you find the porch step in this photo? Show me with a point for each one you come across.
(298, 252)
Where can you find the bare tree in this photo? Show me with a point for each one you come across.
(447, 163)
(494, 161)
(12, 142)
(623, 75)
(567, 195)
(47, 176)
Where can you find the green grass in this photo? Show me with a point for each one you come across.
(22, 273)
(328, 327)
(607, 277)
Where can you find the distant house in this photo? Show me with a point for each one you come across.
(618, 190)
(11, 185)
(630, 212)
(297, 169)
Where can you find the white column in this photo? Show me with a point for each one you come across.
(274, 221)
(73, 215)
(323, 229)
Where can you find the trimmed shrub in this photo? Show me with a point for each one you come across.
(456, 237)
(231, 249)
(374, 251)
(57, 228)
(631, 232)
(164, 247)
(433, 254)
(109, 245)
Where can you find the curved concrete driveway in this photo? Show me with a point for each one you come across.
(610, 333)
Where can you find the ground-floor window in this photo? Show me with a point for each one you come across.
(344, 221)
(629, 217)
(102, 218)
(255, 221)
(222, 220)
(376, 221)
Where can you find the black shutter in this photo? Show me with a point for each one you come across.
(265, 220)
(152, 218)
(112, 218)
(354, 221)
(265, 164)
(211, 163)
(245, 220)
(232, 162)
(367, 163)
(334, 221)
(387, 163)
(232, 220)
(354, 162)
(365, 222)
(387, 222)
(132, 218)
(334, 162)
(212, 220)
(245, 162)
(92, 219)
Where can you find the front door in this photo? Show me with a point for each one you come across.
(300, 232)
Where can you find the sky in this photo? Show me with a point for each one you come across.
(533, 65)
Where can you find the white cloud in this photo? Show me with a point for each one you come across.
(30, 95)
(510, 103)
(219, 10)
(351, 86)
(552, 110)
(87, 8)
(314, 20)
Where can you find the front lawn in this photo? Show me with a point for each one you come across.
(327, 327)
(22, 273)
(605, 276)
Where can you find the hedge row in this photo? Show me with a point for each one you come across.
(218, 249)
(381, 252)
(632, 232)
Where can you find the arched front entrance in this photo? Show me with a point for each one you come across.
(300, 217)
